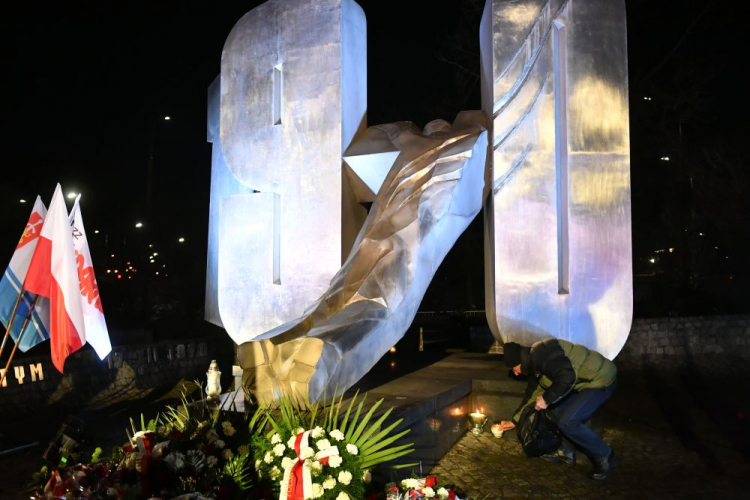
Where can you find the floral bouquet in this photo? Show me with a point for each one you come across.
(418, 489)
(330, 461)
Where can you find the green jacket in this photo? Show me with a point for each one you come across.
(556, 367)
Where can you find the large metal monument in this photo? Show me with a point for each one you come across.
(314, 289)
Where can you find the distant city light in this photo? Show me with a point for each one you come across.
(130, 277)
(109, 271)
(700, 234)
(157, 273)
(23, 201)
(151, 246)
(716, 248)
(139, 224)
(71, 195)
(119, 276)
(393, 350)
(115, 270)
(652, 260)
(671, 250)
(167, 118)
(156, 253)
(152, 261)
(646, 98)
(181, 240)
(112, 255)
(96, 231)
(164, 266)
(665, 158)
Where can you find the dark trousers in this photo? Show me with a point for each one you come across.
(570, 416)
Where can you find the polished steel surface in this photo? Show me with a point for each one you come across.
(283, 212)
(428, 198)
(555, 82)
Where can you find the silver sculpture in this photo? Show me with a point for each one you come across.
(555, 83)
(293, 162)
(283, 213)
(430, 195)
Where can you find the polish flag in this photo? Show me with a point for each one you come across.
(53, 274)
(91, 303)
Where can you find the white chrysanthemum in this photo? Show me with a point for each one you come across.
(268, 458)
(219, 443)
(212, 436)
(318, 432)
(317, 490)
(345, 477)
(212, 461)
(329, 483)
(428, 492)
(323, 444)
(410, 483)
(243, 450)
(228, 454)
(175, 460)
(442, 493)
(275, 439)
(342, 496)
(279, 449)
(337, 435)
(335, 461)
(315, 467)
(275, 473)
(228, 428)
(306, 452)
(286, 462)
(352, 449)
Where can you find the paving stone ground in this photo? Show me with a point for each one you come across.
(675, 441)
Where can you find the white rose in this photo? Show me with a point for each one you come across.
(228, 454)
(334, 461)
(212, 461)
(323, 444)
(268, 458)
(337, 435)
(306, 452)
(317, 490)
(286, 462)
(275, 439)
(428, 492)
(345, 477)
(279, 449)
(329, 483)
(243, 450)
(352, 449)
(342, 496)
(442, 493)
(228, 428)
(275, 473)
(318, 432)
(219, 443)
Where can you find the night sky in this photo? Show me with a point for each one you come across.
(86, 87)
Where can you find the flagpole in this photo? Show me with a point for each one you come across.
(18, 340)
(10, 322)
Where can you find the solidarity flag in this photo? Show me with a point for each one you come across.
(96, 332)
(53, 274)
(37, 328)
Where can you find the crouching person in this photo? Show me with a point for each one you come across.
(570, 382)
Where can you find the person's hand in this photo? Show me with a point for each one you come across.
(505, 425)
(541, 404)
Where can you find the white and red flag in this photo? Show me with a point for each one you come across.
(11, 285)
(93, 315)
(53, 274)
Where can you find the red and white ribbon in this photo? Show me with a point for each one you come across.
(297, 477)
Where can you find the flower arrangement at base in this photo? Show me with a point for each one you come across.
(417, 489)
(312, 454)
(190, 450)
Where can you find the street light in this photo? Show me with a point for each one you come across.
(96, 231)
(71, 195)
(181, 240)
(139, 224)
(166, 118)
(23, 201)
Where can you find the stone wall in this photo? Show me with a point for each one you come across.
(128, 373)
(717, 343)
